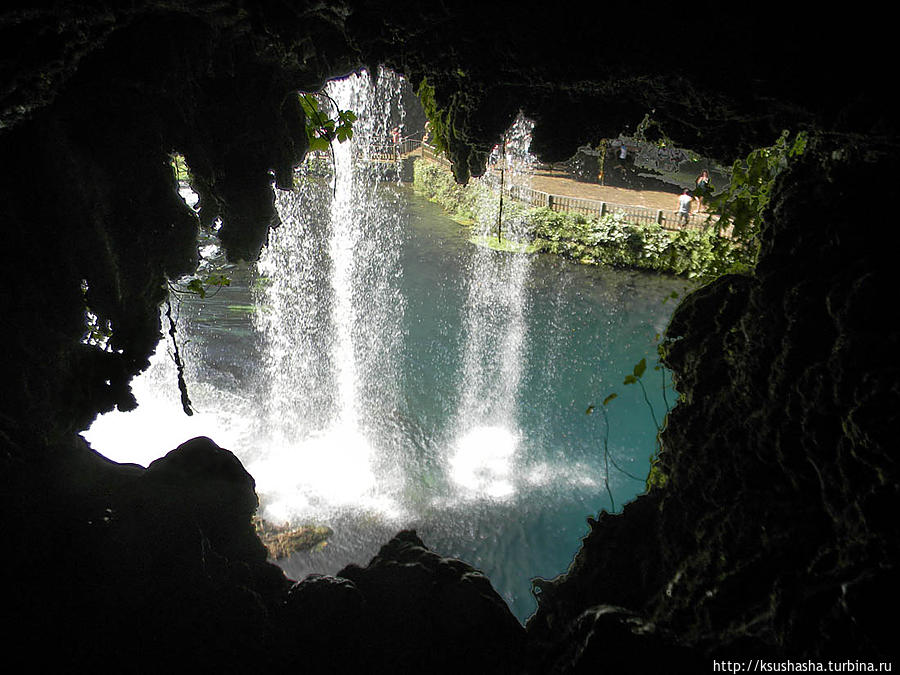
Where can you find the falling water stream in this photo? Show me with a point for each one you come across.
(331, 322)
(486, 423)
(375, 370)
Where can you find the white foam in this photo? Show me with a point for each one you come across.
(328, 471)
(483, 461)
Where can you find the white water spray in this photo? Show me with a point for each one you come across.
(333, 325)
(483, 460)
(462, 417)
(316, 433)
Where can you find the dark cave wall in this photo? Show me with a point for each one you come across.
(794, 393)
(95, 101)
(773, 535)
(89, 198)
(770, 537)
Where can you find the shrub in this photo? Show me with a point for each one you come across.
(608, 240)
(438, 185)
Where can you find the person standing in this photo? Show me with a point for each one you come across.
(702, 190)
(684, 207)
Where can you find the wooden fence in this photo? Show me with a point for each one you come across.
(639, 215)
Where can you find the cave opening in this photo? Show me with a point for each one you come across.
(773, 535)
(382, 366)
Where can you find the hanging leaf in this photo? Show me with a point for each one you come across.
(196, 286)
(218, 280)
(321, 129)
(640, 367)
(317, 143)
(589, 410)
(609, 398)
(309, 104)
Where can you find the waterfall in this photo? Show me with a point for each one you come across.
(318, 414)
(484, 454)
(376, 371)
(332, 325)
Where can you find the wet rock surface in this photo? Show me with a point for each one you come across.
(407, 606)
(284, 540)
(773, 515)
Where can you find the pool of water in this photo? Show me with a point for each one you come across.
(506, 490)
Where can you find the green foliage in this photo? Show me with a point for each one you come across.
(606, 457)
(637, 373)
(610, 240)
(438, 185)
(321, 129)
(180, 168)
(198, 285)
(503, 244)
(97, 331)
(201, 285)
(742, 203)
(655, 477)
(650, 131)
(439, 118)
(635, 378)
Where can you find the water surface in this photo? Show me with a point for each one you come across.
(508, 494)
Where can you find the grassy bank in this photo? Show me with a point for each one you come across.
(608, 240)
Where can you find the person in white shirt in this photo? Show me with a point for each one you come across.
(684, 206)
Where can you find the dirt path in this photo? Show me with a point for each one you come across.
(555, 183)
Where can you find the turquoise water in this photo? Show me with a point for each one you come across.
(587, 327)
(510, 498)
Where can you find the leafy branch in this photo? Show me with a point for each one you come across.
(606, 456)
(741, 204)
(655, 476)
(438, 117)
(321, 128)
(97, 331)
(199, 286)
(180, 168)
(635, 378)
(179, 363)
